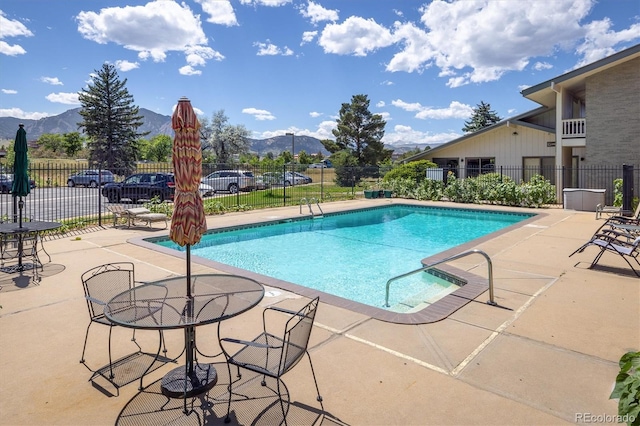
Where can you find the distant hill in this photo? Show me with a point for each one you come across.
(158, 124)
(67, 122)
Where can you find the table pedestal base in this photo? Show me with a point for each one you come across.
(177, 384)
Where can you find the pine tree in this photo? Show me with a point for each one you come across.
(111, 122)
(482, 117)
(359, 132)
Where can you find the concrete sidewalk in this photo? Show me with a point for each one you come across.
(551, 357)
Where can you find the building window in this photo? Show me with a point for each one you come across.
(448, 164)
(478, 166)
(544, 166)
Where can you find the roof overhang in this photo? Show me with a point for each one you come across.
(574, 81)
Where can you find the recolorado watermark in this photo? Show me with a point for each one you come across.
(604, 418)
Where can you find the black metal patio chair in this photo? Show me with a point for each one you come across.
(614, 242)
(101, 284)
(274, 355)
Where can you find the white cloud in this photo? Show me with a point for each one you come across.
(219, 11)
(189, 70)
(600, 40)
(380, 104)
(405, 135)
(456, 110)
(315, 114)
(387, 83)
(270, 49)
(357, 36)
(54, 81)
(124, 66)
(259, 114)
(308, 36)
(316, 13)
(539, 66)
(460, 37)
(9, 92)
(18, 113)
(271, 3)
(12, 28)
(151, 30)
(63, 98)
(11, 50)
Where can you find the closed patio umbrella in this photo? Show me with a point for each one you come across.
(188, 220)
(20, 186)
(187, 226)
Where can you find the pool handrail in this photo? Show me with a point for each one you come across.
(308, 203)
(448, 259)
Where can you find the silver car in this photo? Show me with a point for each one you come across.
(231, 181)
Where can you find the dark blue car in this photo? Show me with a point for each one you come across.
(141, 186)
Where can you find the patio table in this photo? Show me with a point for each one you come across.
(163, 304)
(20, 230)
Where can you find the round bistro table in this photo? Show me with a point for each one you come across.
(164, 304)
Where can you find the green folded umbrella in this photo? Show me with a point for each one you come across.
(20, 186)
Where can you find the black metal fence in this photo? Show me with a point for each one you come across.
(53, 199)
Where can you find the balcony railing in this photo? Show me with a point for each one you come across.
(574, 128)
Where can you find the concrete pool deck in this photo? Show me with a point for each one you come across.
(548, 355)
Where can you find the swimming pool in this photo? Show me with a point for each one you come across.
(352, 254)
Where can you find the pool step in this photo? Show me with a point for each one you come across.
(421, 300)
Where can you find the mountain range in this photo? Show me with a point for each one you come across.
(158, 124)
(155, 124)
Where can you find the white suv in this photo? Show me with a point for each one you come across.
(231, 180)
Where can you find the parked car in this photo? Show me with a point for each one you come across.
(231, 180)
(6, 182)
(90, 178)
(205, 190)
(280, 179)
(141, 186)
(325, 163)
(306, 178)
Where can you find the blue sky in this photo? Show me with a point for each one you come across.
(280, 66)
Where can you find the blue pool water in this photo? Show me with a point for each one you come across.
(353, 254)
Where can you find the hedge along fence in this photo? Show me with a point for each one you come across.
(491, 188)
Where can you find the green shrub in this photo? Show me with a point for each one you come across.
(627, 389)
(537, 192)
(415, 170)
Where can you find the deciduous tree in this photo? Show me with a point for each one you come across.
(224, 139)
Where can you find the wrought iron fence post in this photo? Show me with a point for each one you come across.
(284, 185)
(627, 188)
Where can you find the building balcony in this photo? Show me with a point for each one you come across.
(574, 128)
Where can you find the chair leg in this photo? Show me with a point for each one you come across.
(111, 375)
(228, 418)
(84, 347)
(284, 412)
(313, 373)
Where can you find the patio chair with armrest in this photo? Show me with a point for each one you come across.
(101, 284)
(615, 243)
(274, 355)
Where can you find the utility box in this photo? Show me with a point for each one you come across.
(583, 199)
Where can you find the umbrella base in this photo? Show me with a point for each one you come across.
(18, 268)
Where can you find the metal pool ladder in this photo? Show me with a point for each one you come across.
(448, 259)
(308, 202)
